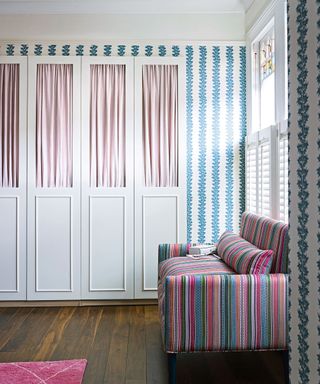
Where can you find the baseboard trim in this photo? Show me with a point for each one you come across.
(77, 303)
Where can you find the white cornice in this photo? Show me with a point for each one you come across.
(122, 6)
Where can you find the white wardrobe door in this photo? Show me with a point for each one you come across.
(54, 178)
(107, 178)
(13, 98)
(160, 194)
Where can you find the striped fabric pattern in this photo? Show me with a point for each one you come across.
(266, 233)
(243, 256)
(193, 266)
(224, 312)
(167, 251)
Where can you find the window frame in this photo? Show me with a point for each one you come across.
(274, 16)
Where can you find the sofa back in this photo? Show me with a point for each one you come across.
(266, 233)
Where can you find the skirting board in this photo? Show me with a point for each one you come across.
(76, 303)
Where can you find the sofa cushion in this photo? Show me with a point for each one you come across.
(243, 256)
(207, 265)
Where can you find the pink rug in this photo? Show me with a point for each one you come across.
(43, 372)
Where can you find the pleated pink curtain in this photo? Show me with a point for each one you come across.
(160, 125)
(9, 125)
(107, 125)
(54, 128)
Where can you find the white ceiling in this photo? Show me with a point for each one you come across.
(123, 6)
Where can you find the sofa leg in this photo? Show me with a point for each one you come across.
(172, 363)
(285, 360)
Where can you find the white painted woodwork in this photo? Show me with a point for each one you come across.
(53, 213)
(13, 208)
(85, 242)
(160, 213)
(107, 213)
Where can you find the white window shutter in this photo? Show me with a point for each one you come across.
(251, 178)
(264, 178)
(283, 178)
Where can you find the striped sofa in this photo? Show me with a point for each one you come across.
(205, 305)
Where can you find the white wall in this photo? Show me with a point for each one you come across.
(254, 12)
(218, 27)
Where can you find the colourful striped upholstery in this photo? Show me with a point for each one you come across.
(204, 306)
(189, 266)
(223, 312)
(243, 256)
(266, 233)
(167, 251)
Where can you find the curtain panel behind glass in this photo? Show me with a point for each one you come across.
(54, 125)
(9, 125)
(107, 125)
(160, 125)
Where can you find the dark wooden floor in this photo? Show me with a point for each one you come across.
(122, 345)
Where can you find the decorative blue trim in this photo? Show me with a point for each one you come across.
(289, 186)
(303, 193)
(243, 132)
(216, 107)
(10, 50)
(52, 49)
(189, 114)
(24, 50)
(202, 144)
(318, 182)
(107, 49)
(175, 50)
(162, 50)
(38, 49)
(148, 50)
(79, 50)
(66, 50)
(135, 50)
(121, 50)
(93, 50)
(229, 139)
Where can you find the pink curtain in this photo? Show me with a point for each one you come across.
(107, 125)
(9, 125)
(54, 125)
(160, 124)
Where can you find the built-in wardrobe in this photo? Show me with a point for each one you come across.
(92, 175)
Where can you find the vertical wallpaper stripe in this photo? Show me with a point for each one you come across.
(202, 144)
(243, 131)
(215, 123)
(215, 222)
(318, 181)
(189, 108)
(229, 144)
(304, 195)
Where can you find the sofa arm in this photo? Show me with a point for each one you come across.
(166, 251)
(224, 312)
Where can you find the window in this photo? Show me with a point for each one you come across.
(267, 140)
(264, 79)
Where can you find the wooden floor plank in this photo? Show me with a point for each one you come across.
(51, 340)
(98, 354)
(136, 359)
(9, 329)
(157, 372)
(118, 349)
